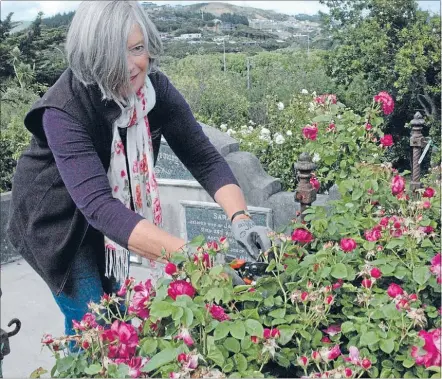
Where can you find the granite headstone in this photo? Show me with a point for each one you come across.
(209, 220)
(168, 165)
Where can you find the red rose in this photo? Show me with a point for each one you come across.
(375, 273)
(429, 192)
(386, 101)
(386, 141)
(315, 183)
(180, 287)
(170, 269)
(347, 244)
(217, 312)
(302, 235)
(310, 132)
(397, 185)
(394, 290)
(366, 283)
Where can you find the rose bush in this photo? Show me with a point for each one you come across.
(352, 291)
(335, 136)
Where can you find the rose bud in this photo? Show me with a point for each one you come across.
(366, 283)
(170, 269)
(375, 273)
(366, 364)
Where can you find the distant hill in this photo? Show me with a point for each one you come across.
(219, 8)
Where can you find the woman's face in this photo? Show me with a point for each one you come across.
(137, 58)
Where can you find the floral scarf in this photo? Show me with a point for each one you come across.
(141, 177)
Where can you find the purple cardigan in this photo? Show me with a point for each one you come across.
(86, 180)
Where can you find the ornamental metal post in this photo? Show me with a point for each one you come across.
(417, 143)
(4, 339)
(305, 194)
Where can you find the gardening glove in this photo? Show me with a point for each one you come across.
(252, 238)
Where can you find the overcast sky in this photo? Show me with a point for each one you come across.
(27, 10)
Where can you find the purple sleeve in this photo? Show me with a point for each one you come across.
(188, 141)
(85, 177)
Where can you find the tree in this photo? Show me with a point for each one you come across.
(387, 45)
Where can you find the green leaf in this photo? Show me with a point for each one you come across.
(188, 317)
(347, 327)
(216, 356)
(196, 275)
(421, 275)
(408, 363)
(339, 271)
(197, 241)
(238, 330)
(390, 311)
(221, 330)
(165, 356)
(427, 243)
(64, 364)
(177, 313)
(160, 309)
(38, 372)
(277, 313)
(232, 345)
(254, 328)
(93, 369)
(216, 270)
(387, 345)
(241, 362)
(369, 338)
(395, 243)
(149, 346)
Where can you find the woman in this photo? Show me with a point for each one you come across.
(85, 193)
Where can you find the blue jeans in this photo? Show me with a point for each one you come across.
(86, 283)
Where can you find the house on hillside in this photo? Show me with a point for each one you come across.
(188, 36)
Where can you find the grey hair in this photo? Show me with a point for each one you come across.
(96, 44)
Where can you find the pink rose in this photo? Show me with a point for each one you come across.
(122, 338)
(185, 335)
(366, 283)
(429, 354)
(303, 361)
(436, 267)
(368, 126)
(315, 183)
(397, 185)
(333, 330)
(366, 363)
(394, 290)
(386, 101)
(373, 234)
(271, 333)
(386, 141)
(170, 269)
(375, 273)
(217, 312)
(302, 235)
(347, 244)
(180, 287)
(310, 132)
(429, 192)
(334, 352)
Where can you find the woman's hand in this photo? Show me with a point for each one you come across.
(251, 237)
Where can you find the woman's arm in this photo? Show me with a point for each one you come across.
(231, 199)
(86, 181)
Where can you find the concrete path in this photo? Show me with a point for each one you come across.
(27, 297)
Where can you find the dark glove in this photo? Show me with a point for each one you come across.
(252, 238)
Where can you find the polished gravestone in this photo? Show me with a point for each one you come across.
(209, 220)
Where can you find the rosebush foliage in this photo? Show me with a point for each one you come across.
(353, 290)
(335, 136)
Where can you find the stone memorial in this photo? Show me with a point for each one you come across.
(168, 165)
(209, 220)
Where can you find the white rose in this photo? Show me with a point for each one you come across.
(251, 128)
(281, 106)
(265, 131)
(304, 91)
(251, 122)
(316, 157)
(279, 139)
(230, 132)
(289, 133)
(223, 126)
